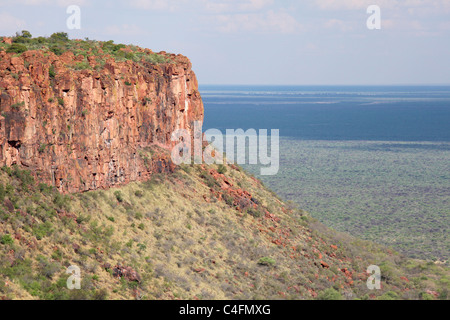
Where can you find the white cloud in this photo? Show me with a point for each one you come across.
(159, 5)
(268, 22)
(209, 6)
(414, 16)
(409, 6)
(61, 3)
(353, 4)
(223, 6)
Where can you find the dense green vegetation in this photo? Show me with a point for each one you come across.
(393, 193)
(59, 42)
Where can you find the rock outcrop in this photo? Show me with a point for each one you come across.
(92, 128)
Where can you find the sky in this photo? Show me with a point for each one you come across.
(267, 42)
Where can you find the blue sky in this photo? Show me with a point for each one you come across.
(265, 41)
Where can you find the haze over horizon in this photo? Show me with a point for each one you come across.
(263, 42)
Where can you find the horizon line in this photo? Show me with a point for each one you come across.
(331, 85)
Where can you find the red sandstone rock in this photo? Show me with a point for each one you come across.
(7, 40)
(84, 130)
(127, 273)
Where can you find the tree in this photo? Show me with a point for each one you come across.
(23, 37)
(60, 36)
(26, 34)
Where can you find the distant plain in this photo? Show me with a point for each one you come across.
(370, 161)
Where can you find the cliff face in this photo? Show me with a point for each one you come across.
(86, 129)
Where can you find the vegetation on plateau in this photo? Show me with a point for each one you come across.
(59, 42)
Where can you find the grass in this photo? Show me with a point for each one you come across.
(201, 248)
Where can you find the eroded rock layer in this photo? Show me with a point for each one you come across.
(86, 129)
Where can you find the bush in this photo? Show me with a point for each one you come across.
(266, 261)
(42, 147)
(43, 230)
(62, 201)
(6, 239)
(82, 66)
(118, 195)
(254, 212)
(45, 188)
(139, 194)
(329, 294)
(390, 295)
(59, 36)
(16, 48)
(2, 192)
(17, 105)
(222, 169)
(56, 50)
(51, 73)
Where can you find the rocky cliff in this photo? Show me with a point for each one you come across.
(83, 128)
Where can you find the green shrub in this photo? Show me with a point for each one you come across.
(42, 230)
(57, 50)
(59, 36)
(266, 261)
(222, 169)
(17, 105)
(45, 188)
(51, 74)
(82, 65)
(42, 147)
(2, 192)
(254, 212)
(229, 200)
(16, 48)
(139, 194)
(7, 239)
(329, 294)
(61, 201)
(390, 295)
(118, 195)
(24, 176)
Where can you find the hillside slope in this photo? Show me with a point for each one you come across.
(192, 234)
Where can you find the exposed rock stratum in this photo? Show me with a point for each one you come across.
(86, 129)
